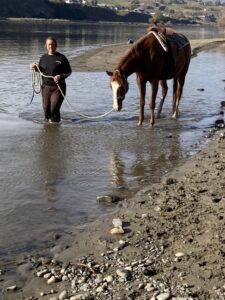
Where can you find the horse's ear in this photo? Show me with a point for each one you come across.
(109, 73)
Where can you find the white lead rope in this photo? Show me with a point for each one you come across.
(34, 78)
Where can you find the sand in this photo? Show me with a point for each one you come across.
(106, 58)
(171, 243)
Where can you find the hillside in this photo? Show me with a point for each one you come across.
(195, 10)
(59, 10)
(163, 11)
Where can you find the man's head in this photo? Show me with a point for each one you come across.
(51, 45)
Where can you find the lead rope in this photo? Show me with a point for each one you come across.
(36, 81)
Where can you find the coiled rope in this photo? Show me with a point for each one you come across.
(36, 80)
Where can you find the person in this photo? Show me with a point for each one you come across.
(130, 40)
(57, 65)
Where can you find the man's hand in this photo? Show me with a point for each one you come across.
(33, 66)
(57, 78)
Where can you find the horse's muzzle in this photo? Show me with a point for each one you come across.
(118, 103)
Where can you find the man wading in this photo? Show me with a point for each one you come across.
(56, 65)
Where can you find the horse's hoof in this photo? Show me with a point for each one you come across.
(174, 116)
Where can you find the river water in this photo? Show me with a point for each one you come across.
(51, 175)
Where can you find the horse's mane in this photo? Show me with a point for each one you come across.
(135, 50)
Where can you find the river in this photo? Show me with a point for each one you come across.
(50, 176)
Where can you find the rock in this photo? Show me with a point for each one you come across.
(108, 199)
(77, 297)
(42, 273)
(117, 230)
(219, 123)
(47, 275)
(169, 181)
(179, 254)
(63, 295)
(149, 287)
(163, 296)
(222, 103)
(108, 278)
(125, 275)
(51, 280)
(117, 222)
(149, 272)
(11, 288)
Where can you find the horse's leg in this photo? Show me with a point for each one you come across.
(174, 94)
(142, 90)
(155, 85)
(164, 93)
(178, 94)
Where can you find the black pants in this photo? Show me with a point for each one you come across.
(52, 100)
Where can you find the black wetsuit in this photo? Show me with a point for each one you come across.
(52, 65)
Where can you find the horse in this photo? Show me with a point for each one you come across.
(157, 56)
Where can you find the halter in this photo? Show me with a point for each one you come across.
(124, 79)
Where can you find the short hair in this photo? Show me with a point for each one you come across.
(52, 39)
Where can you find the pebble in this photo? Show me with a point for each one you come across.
(117, 230)
(51, 280)
(149, 287)
(63, 295)
(179, 254)
(11, 288)
(109, 278)
(108, 199)
(163, 296)
(41, 273)
(117, 222)
(77, 297)
(125, 275)
(47, 275)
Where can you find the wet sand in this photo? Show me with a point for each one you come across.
(106, 58)
(169, 245)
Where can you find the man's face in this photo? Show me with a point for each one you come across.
(51, 46)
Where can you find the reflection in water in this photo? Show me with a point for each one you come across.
(135, 163)
(117, 170)
(51, 159)
(49, 191)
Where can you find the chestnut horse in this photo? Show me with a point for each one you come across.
(157, 56)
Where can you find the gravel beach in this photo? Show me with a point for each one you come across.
(167, 242)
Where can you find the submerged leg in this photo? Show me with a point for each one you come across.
(56, 102)
(46, 95)
(164, 93)
(142, 90)
(155, 84)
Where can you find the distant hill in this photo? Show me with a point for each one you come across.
(52, 10)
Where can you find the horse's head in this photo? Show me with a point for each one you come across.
(119, 85)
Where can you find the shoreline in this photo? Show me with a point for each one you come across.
(170, 243)
(92, 60)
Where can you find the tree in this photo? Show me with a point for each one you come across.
(158, 17)
(134, 4)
